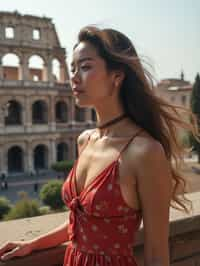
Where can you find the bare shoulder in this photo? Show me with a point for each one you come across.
(151, 169)
(84, 136)
(145, 151)
(143, 145)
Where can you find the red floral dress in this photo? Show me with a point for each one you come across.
(101, 225)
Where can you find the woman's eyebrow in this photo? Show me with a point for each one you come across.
(81, 60)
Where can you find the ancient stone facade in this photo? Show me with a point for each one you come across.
(39, 122)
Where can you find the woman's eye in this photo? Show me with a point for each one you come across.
(85, 67)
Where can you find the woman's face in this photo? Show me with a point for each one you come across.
(91, 82)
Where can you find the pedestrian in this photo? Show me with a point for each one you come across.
(3, 176)
(35, 187)
(6, 185)
(125, 172)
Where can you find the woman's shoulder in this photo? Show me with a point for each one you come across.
(143, 147)
(83, 137)
(145, 156)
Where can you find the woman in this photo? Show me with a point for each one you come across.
(125, 170)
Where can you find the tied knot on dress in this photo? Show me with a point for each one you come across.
(74, 206)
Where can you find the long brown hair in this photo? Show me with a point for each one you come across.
(158, 117)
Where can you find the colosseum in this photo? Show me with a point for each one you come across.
(39, 121)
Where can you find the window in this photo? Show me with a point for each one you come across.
(172, 98)
(183, 98)
(35, 78)
(36, 34)
(9, 33)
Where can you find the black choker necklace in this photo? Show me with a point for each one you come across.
(111, 122)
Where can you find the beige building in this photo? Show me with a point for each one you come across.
(39, 121)
(176, 91)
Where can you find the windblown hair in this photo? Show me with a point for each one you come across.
(157, 116)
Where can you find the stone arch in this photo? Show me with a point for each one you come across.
(39, 112)
(15, 158)
(36, 65)
(79, 114)
(61, 112)
(56, 69)
(10, 66)
(62, 151)
(59, 67)
(13, 113)
(40, 157)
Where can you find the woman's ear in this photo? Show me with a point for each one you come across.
(118, 78)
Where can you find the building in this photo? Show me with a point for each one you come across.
(175, 91)
(39, 121)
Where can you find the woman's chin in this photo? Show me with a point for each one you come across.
(82, 103)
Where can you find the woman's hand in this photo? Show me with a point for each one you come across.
(15, 249)
(51, 239)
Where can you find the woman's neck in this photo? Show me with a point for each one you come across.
(106, 115)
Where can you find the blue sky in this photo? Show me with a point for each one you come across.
(167, 33)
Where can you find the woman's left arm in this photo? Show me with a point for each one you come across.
(155, 190)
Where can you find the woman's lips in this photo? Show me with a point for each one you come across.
(77, 92)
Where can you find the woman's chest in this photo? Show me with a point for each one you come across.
(102, 197)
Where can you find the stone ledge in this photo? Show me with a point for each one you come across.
(184, 240)
(53, 257)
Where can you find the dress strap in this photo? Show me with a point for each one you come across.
(129, 141)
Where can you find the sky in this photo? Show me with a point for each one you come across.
(165, 33)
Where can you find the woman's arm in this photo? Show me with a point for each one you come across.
(53, 238)
(155, 189)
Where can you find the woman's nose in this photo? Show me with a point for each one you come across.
(75, 77)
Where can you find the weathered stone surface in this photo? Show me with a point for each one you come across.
(25, 85)
(184, 239)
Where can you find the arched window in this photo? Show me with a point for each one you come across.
(10, 64)
(62, 152)
(79, 114)
(56, 70)
(36, 68)
(61, 112)
(14, 114)
(40, 157)
(15, 159)
(39, 112)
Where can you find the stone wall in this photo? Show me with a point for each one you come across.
(184, 239)
(44, 113)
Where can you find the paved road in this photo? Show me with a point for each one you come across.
(17, 184)
(20, 183)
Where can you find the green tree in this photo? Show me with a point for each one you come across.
(195, 107)
(62, 166)
(23, 208)
(50, 194)
(5, 206)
